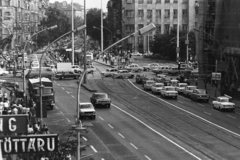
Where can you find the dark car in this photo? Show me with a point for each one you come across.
(64, 75)
(100, 99)
(140, 78)
(199, 94)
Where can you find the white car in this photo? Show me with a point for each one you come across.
(87, 110)
(76, 69)
(180, 87)
(148, 84)
(188, 90)
(150, 66)
(134, 68)
(223, 102)
(3, 72)
(157, 87)
(109, 72)
(136, 54)
(169, 91)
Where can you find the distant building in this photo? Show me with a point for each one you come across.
(78, 10)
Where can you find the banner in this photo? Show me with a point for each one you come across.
(29, 144)
(13, 123)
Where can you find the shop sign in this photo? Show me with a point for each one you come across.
(41, 143)
(13, 123)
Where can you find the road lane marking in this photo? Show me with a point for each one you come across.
(208, 113)
(62, 88)
(147, 157)
(102, 159)
(72, 96)
(68, 120)
(61, 113)
(200, 104)
(93, 149)
(180, 102)
(85, 139)
(56, 107)
(133, 146)
(121, 135)
(100, 118)
(186, 111)
(110, 126)
(231, 116)
(58, 84)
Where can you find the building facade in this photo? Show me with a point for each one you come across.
(21, 18)
(163, 13)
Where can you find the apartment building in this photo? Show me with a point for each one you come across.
(21, 18)
(163, 13)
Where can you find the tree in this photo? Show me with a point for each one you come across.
(53, 17)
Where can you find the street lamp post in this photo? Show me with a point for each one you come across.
(107, 30)
(40, 66)
(24, 78)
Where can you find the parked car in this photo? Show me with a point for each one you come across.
(140, 78)
(87, 110)
(199, 94)
(76, 69)
(100, 99)
(157, 87)
(64, 75)
(123, 74)
(150, 66)
(3, 72)
(148, 84)
(223, 102)
(161, 69)
(168, 91)
(174, 82)
(180, 87)
(109, 72)
(188, 89)
(134, 68)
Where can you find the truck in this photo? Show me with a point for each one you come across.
(48, 94)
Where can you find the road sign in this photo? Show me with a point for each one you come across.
(216, 76)
(222, 66)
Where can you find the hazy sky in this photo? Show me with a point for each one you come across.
(89, 3)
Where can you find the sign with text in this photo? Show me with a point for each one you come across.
(13, 123)
(29, 144)
(216, 76)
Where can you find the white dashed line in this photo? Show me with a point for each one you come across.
(62, 113)
(102, 159)
(93, 149)
(100, 118)
(200, 104)
(68, 120)
(121, 135)
(56, 107)
(62, 88)
(180, 102)
(85, 139)
(231, 116)
(58, 84)
(72, 96)
(208, 113)
(147, 157)
(67, 92)
(133, 146)
(110, 126)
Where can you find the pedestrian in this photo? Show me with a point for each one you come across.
(196, 82)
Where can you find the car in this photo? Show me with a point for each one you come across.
(156, 88)
(173, 82)
(180, 87)
(3, 72)
(223, 102)
(90, 68)
(134, 68)
(140, 78)
(76, 69)
(64, 75)
(169, 91)
(136, 54)
(109, 72)
(100, 99)
(150, 66)
(176, 71)
(187, 90)
(199, 94)
(161, 69)
(148, 84)
(123, 74)
(87, 110)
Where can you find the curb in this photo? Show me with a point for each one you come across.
(104, 64)
(88, 88)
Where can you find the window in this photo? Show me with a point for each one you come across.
(158, 1)
(175, 1)
(129, 13)
(184, 13)
(149, 1)
(131, 40)
(166, 28)
(7, 16)
(175, 13)
(149, 13)
(129, 1)
(140, 26)
(130, 28)
(167, 1)
(158, 13)
(158, 28)
(140, 39)
(167, 13)
(140, 1)
(140, 13)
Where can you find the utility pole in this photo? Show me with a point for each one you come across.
(101, 28)
(72, 35)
